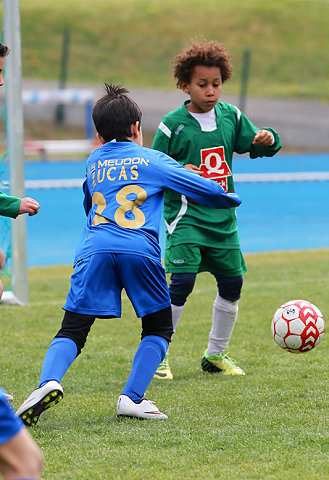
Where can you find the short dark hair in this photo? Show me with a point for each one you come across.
(210, 54)
(4, 50)
(115, 112)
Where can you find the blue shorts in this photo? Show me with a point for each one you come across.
(98, 280)
(10, 425)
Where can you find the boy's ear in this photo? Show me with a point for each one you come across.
(135, 129)
(100, 138)
(184, 87)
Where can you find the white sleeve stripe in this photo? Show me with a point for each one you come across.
(238, 112)
(165, 129)
(171, 227)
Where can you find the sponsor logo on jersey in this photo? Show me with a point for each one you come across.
(178, 260)
(214, 165)
(179, 129)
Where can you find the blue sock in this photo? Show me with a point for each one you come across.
(60, 355)
(149, 354)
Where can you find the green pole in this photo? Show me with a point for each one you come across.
(60, 114)
(244, 78)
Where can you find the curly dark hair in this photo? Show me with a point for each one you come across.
(210, 54)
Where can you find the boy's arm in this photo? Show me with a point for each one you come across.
(201, 190)
(259, 150)
(246, 133)
(9, 206)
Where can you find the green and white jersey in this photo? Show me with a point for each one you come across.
(180, 136)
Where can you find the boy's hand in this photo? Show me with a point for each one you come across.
(263, 137)
(193, 168)
(2, 259)
(28, 205)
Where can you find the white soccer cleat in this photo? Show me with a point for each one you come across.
(39, 400)
(143, 410)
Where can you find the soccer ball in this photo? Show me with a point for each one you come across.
(297, 326)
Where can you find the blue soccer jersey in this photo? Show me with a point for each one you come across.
(119, 246)
(123, 201)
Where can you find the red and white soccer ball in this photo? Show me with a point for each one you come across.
(297, 326)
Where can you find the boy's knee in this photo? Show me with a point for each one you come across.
(76, 327)
(159, 324)
(181, 285)
(229, 288)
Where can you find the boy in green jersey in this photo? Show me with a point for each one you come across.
(12, 206)
(203, 134)
(20, 457)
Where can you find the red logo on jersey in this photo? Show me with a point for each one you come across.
(214, 166)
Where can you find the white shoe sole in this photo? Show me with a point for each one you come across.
(145, 410)
(40, 400)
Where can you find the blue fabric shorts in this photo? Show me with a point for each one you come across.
(10, 425)
(98, 280)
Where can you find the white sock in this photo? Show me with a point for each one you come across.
(176, 313)
(224, 317)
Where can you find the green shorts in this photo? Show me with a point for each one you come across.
(191, 258)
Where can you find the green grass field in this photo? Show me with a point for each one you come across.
(270, 424)
(134, 43)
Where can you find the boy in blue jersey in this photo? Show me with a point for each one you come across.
(119, 248)
(20, 457)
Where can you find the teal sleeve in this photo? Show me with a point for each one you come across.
(9, 206)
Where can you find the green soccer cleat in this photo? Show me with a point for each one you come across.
(163, 372)
(220, 363)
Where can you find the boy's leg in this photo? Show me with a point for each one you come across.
(21, 458)
(61, 353)
(156, 334)
(19, 455)
(149, 354)
(182, 280)
(146, 286)
(181, 285)
(66, 346)
(225, 312)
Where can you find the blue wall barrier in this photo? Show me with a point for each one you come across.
(274, 215)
